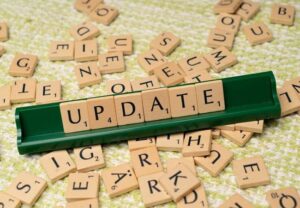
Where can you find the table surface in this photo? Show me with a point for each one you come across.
(34, 23)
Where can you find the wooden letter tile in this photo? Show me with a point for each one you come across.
(250, 172)
(82, 186)
(251, 126)
(229, 127)
(197, 198)
(289, 100)
(57, 165)
(87, 74)
(48, 92)
(119, 180)
(86, 6)
(172, 142)
(239, 137)
(197, 76)
(227, 6)
(150, 60)
(228, 22)
(216, 162)
(221, 58)
(183, 101)
(152, 192)
(61, 51)
(193, 63)
(23, 65)
(145, 161)
(258, 33)
(145, 83)
(165, 42)
(23, 90)
(136, 144)
(4, 34)
(295, 84)
(215, 133)
(218, 37)
(187, 161)
(118, 86)
(122, 43)
(236, 201)
(5, 93)
(87, 203)
(101, 112)
(104, 14)
(169, 74)
(283, 14)
(210, 96)
(197, 143)
(248, 9)
(27, 188)
(111, 63)
(179, 182)
(284, 197)
(86, 50)
(89, 158)
(74, 116)
(156, 104)
(2, 50)
(7, 201)
(84, 31)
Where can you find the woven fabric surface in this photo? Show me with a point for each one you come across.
(35, 23)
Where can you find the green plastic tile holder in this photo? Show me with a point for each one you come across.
(247, 97)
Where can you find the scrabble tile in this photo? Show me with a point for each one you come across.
(118, 86)
(248, 9)
(283, 14)
(111, 63)
(82, 186)
(236, 201)
(121, 43)
(221, 58)
(119, 180)
(257, 33)
(87, 74)
(156, 104)
(187, 161)
(101, 112)
(152, 192)
(87, 203)
(150, 60)
(218, 37)
(227, 6)
(7, 201)
(5, 94)
(210, 96)
(216, 161)
(104, 14)
(4, 34)
(23, 65)
(23, 90)
(169, 74)
(239, 137)
(283, 197)
(48, 92)
(86, 50)
(215, 133)
(89, 158)
(129, 108)
(183, 101)
(197, 198)
(197, 143)
(165, 42)
(197, 76)
(250, 172)
(27, 188)
(57, 165)
(61, 51)
(74, 116)
(251, 126)
(289, 100)
(136, 144)
(86, 6)
(228, 22)
(193, 63)
(2, 50)
(170, 142)
(229, 127)
(145, 83)
(84, 31)
(295, 84)
(145, 161)
(179, 182)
